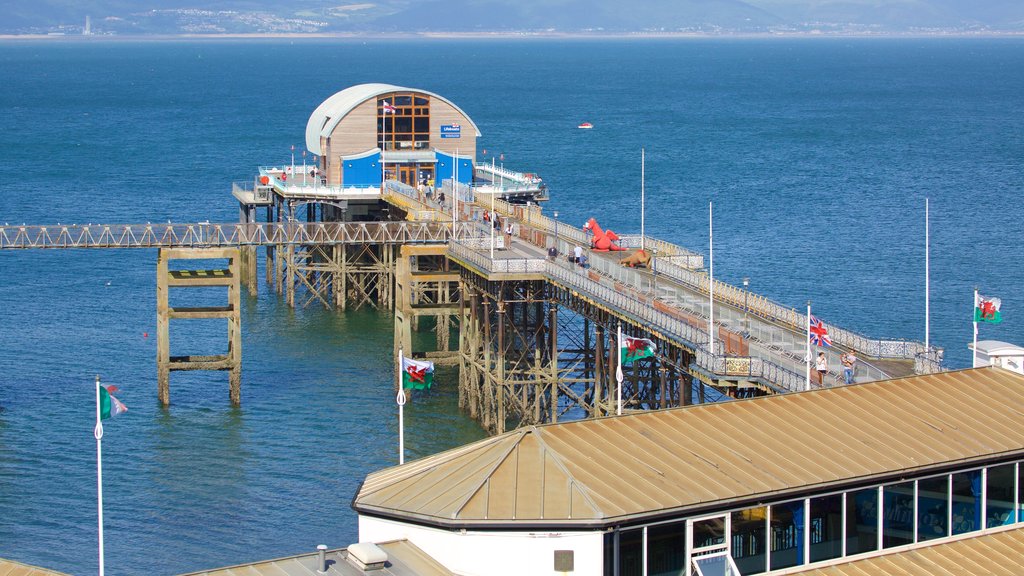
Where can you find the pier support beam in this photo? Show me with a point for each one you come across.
(168, 278)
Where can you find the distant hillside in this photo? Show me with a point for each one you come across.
(305, 16)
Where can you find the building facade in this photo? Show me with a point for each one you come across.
(372, 131)
(775, 485)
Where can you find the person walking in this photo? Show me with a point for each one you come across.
(849, 361)
(821, 364)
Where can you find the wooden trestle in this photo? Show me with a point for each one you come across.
(168, 278)
(528, 350)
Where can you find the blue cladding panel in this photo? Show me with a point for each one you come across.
(362, 171)
(443, 168)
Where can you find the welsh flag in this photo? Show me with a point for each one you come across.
(417, 374)
(635, 349)
(987, 309)
(110, 406)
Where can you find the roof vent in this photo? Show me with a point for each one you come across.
(367, 556)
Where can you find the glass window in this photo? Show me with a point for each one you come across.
(862, 521)
(787, 534)
(708, 532)
(1020, 492)
(966, 502)
(999, 492)
(826, 526)
(898, 514)
(631, 558)
(748, 539)
(933, 504)
(609, 554)
(714, 564)
(666, 549)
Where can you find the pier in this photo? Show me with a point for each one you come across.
(391, 217)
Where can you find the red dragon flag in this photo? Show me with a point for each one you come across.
(110, 406)
(635, 349)
(986, 309)
(417, 374)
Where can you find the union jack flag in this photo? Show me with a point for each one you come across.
(818, 333)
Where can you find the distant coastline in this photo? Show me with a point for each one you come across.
(508, 36)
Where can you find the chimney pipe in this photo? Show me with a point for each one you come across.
(321, 558)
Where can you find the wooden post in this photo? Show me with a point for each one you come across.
(553, 326)
(163, 353)
(599, 371)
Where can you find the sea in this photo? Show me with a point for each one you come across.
(818, 155)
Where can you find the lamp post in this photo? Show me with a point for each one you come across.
(654, 269)
(746, 309)
(555, 214)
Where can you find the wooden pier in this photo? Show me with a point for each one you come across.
(534, 338)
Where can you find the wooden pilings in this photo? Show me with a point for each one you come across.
(168, 278)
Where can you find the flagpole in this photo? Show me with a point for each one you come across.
(98, 434)
(711, 278)
(400, 400)
(807, 356)
(927, 280)
(383, 138)
(974, 314)
(618, 374)
(643, 234)
(491, 223)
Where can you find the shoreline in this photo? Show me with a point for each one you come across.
(509, 36)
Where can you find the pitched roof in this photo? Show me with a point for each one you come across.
(996, 554)
(12, 568)
(608, 470)
(330, 112)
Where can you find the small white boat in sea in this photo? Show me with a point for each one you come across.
(585, 126)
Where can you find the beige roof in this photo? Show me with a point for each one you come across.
(603, 471)
(404, 559)
(12, 568)
(997, 554)
(330, 112)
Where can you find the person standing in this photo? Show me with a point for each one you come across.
(849, 361)
(821, 364)
(508, 233)
(577, 255)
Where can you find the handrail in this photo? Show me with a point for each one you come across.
(234, 234)
(466, 253)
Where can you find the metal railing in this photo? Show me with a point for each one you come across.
(236, 234)
(470, 255)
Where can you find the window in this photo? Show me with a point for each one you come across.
(631, 552)
(862, 521)
(408, 124)
(999, 490)
(933, 506)
(966, 502)
(826, 526)
(666, 549)
(749, 529)
(787, 534)
(898, 515)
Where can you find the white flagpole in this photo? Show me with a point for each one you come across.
(618, 374)
(455, 192)
(98, 434)
(711, 278)
(927, 280)
(643, 234)
(490, 224)
(807, 382)
(400, 399)
(974, 353)
(383, 139)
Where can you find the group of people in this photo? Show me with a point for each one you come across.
(847, 359)
(495, 221)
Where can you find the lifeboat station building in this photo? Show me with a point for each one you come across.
(921, 475)
(371, 136)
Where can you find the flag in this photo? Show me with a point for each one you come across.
(110, 406)
(388, 108)
(635, 349)
(417, 374)
(986, 309)
(819, 334)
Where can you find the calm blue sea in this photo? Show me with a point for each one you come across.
(818, 154)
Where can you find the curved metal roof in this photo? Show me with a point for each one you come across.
(331, 111)
(604, 471)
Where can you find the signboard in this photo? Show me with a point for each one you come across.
(451, 131)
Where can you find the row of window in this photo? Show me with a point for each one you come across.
(406, 124)
(798, 532)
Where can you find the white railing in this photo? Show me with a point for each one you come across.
(469, 255)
